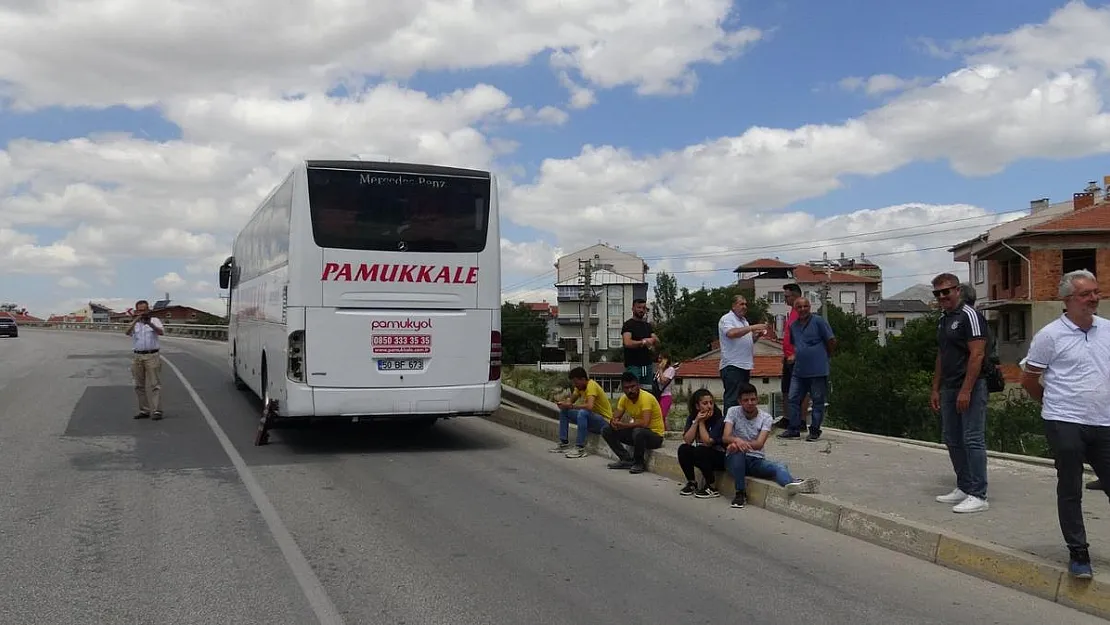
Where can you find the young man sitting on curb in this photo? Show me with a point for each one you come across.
(590, 415)
(643, 432)
(746, 431)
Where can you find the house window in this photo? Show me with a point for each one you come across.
(776, 297)
(847, 297)
(1013, 326)
(891, 324)
(980, 271)
(1074, 260)
(614, 337)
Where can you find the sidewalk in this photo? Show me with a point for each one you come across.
(881, 490)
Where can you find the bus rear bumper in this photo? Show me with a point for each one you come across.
(380, 403)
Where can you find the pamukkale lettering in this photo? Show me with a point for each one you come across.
(431, 274)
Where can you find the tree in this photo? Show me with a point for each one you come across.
(693, 327)
(853, 332)
(8, 307)
(666, 296)
(522, 334)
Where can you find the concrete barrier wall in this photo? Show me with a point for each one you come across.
(190, 330)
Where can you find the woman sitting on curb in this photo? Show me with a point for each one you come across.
(702, 447)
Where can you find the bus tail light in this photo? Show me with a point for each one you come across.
(296, 356)
(495, 355)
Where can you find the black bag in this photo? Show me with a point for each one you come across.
(657, 390)
(992, 373)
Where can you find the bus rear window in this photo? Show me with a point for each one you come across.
(385, 211)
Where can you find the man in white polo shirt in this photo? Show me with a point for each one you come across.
(737, 338)
(146, 362)
(1073, 354)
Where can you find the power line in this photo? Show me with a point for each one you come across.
(791, 245)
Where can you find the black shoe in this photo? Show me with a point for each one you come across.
(689, 489)
(141, 415)
(1079, 565)
(156, 415)
(707, 493)
(813, 436)
(621, 464)
(1094, 485)
(739, 500)
(790, 434)
(637, 467)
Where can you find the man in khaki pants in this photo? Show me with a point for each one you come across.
(146, 364)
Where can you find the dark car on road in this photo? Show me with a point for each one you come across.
(8, 327)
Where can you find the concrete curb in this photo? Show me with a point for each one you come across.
(547, 408)
(988, 561)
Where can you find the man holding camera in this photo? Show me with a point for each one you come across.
(146, 364)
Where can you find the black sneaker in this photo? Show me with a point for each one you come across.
(813, 436)
(789, 434)
(621, 464)
(739, 500)
(637, 467)
(707, 493)
(1079, 566)
(689, 489)
(156, 415)
(141, 415)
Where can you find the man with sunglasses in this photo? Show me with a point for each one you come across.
(960, 394)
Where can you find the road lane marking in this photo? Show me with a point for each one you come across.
(322, 606)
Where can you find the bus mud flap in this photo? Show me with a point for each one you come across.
(262, 436)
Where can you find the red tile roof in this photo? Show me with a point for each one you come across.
(804, 275)
(765, 263)
(19, 316)
(1095, 217)
(765, 367)
(607, 368)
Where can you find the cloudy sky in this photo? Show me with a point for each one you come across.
(138, 135)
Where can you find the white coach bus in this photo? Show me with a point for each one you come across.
(369, 290)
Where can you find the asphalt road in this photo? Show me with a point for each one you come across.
(109, 520)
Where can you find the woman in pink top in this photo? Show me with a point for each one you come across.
(664, 375)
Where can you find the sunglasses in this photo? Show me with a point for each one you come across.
(943, 292)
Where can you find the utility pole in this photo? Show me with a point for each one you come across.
(585, 269)
(827, 286)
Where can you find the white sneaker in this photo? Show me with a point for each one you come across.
(955, 496)
(971, 504)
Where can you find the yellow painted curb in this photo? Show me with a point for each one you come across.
(1000, 565)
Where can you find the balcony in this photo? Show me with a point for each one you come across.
(572, 319)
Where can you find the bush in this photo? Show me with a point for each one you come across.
(1014, 425)
(543, 384)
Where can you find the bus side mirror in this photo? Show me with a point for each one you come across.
(225, 274)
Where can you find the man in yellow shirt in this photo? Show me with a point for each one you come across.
(643, 431)
(589, 407)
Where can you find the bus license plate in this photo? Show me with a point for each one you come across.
(401, 364)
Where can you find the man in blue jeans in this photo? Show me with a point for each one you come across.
(589, 408)
(814, 343)
(960, 394)
(746, 431)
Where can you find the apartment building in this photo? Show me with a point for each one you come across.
(616, 279)
(854, 285)
(1016, 267)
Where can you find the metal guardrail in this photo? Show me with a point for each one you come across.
(190, 330)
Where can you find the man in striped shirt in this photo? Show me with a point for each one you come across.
(960, 394)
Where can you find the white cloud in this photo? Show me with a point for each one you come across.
(20, 253)
(529, 257)
(140, 53)
(170, 282)
(879, 83)
(69, 282)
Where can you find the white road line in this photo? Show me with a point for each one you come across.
(326, 612)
